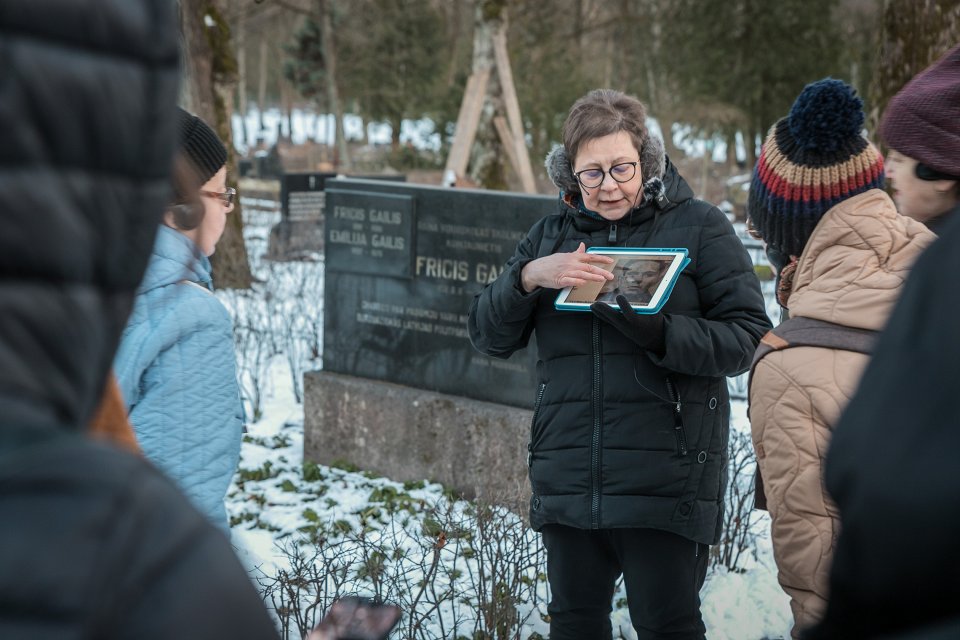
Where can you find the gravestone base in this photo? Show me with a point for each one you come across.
(477, 448)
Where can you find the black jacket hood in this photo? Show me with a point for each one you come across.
(84, 174)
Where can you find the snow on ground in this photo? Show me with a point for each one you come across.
(377, 537)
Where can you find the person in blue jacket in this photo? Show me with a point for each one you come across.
(176, 364)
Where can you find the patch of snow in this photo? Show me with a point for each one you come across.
(272, 504)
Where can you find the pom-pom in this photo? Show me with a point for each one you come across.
(825, 115)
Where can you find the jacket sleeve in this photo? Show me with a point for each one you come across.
(139, 348)
(723, 340)
(187, 413)
(501, 316)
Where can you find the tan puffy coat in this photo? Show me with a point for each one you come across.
(850, 273)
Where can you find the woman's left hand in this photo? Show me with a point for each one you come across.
(647, 330)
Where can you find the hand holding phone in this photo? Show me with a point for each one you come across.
(353, 618)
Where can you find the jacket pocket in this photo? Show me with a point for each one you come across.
(535, 433)
(678, 431)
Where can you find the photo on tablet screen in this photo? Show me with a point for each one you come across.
(644, 276)
(637, 279)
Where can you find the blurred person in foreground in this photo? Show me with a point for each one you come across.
(628, 445)
(94, 542)
(176, 364)
(892, 467)
(921, 125)
(841, 252)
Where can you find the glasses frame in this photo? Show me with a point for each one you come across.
(608, 172)
(226, 197)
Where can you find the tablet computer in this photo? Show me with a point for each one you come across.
(645, 276)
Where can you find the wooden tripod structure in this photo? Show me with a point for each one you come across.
(509, 129)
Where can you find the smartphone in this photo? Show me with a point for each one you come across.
(353, 618)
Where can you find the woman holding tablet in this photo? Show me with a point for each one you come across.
(628, 446)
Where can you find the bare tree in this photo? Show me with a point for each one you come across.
(324, 8)
(488, 153)
(210, 70)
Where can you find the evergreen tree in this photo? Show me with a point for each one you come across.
(305, 65)
(554, 70)
(392, 59)
(747, 59)
(389, 56)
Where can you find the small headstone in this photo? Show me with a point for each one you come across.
(299, 234)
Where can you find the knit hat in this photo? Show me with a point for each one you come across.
(810, 161)
(201, 146)
(923, 120)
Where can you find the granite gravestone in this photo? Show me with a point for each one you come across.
(403, 263)
(302, 203)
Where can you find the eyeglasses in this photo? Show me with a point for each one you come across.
(225, 197)
(621, 172)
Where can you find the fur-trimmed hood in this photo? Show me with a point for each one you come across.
(560, 168)
(662, 186)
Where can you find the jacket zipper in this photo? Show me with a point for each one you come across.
(533, 423)
(612, 238)
(677, 418)
(595, 445)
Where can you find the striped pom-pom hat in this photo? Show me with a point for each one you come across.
(811, 160)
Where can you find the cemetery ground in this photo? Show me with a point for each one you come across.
(459, 569)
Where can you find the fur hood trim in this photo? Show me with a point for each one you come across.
(560, 170)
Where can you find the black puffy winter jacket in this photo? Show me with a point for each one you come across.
(94, 542)
(621, 437)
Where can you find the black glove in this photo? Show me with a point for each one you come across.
(647, 330)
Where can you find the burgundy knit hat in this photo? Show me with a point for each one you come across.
(923, 120)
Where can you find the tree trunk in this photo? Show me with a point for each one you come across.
(488, 170)
(364, 136)
(454, 28)
(210, 75)
(731, 138)
(286, 99)
(579, 12)
(395, 124)
(660, 100)
(262, 85)
(197, 60)
(242, 79)
(342, 157)
(752, 135)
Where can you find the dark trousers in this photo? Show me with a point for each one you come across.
(662, 573)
